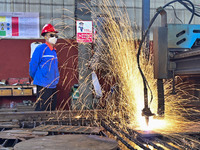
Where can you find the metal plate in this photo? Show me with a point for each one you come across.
(68, 142)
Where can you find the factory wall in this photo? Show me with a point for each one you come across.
(62, 13)
(15, 57)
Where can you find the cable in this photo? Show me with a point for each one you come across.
(145, 82)
(176, 14)
(191, 10)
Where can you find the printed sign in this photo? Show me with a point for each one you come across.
(19, 25)
(84, 31)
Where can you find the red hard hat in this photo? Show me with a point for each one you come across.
(48, 28)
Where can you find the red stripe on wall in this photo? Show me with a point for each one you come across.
(15, 26)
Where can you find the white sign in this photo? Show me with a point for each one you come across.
(19, 25)
(84, 31)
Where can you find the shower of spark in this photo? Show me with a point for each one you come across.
(116, 46)
(119, 53)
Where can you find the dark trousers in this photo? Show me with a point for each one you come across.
(46, 99)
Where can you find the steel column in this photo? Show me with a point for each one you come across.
(145, 24)
(84, 52)
(145, 15)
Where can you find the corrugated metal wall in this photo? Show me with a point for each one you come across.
(61, 12)
(58, 12)
(134, 10)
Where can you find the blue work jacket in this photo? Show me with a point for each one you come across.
(43, 67)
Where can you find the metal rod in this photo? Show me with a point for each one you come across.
(173, 83)
(161, 100)
(4, 143)
(102, 133)
(128, 136)
(176, 141)
(146, 141)
(34, 124)
(165, 144)
(16, 141)
(115, 134)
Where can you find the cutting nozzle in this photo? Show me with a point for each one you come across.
(146, 112)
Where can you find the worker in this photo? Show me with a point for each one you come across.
(43, 69)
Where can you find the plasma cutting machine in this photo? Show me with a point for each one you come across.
(176, 52)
